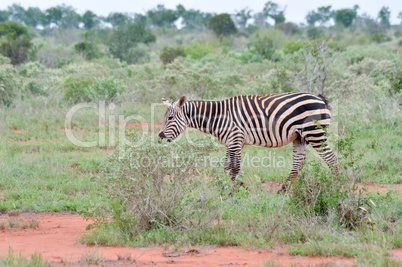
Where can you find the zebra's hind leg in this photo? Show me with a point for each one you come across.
(226, 166)
(233, 161)
(299, 155)
(327, 155)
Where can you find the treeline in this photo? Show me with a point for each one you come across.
(122, 35)
(65, 16)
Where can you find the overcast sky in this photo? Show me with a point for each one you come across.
(296, 10)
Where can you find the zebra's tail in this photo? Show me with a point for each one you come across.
(325, 101)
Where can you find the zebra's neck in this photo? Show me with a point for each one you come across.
(206, 116)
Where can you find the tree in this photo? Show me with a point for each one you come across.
(312, 18)
(345, 16)
(180, 10)
(4, 15)
(368, 24)
(222, 25)
(288, 28)
(322, 16)
(162, 17)
(90, 20)
(61, 16)
(260, 19)
(192, 19)
(325, 13)
(17, 13)
(15, 41)
(384, 16)
(242, 17)
(33, 16)
(70, 18)
(400, 16)
(271, 10)
(127, 36)
(53, 15)
(117, 19)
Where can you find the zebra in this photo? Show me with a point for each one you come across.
(270, 120)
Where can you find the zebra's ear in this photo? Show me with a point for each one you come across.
(166, 102)
(182, 100)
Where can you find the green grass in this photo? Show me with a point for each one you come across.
(13, 259)
(47, 176)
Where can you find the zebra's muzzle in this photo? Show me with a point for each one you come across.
(162, 135)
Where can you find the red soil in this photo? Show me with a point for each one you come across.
(156, 125)
(56, 239)
(19, 131)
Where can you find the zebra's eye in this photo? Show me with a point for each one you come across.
(170, 118)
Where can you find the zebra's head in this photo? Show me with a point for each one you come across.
(174, 122)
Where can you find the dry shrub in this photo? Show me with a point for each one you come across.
(153, 186)
(9, 85)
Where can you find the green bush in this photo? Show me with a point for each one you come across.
(55, 55)
(398, 33)
(197, 50)
(138, 55)
(85, 90)
(279, 80)
(105, 89)
(266, 43)
(88, 49)
(222, 25)
(170, 53)
(128, 36)
(4, 60)
(36, 89)
(9, 84)
(75, 90)
(336, 46)
(288, 28)
(291, 47)
(251, 29)
(248, 56)
(315, 33)
(380, 37)
(395, 80)
(31, 69)
(264, 46)
(15, 41)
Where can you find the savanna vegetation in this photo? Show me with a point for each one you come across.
(142, 192)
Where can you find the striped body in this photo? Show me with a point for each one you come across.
(263, 120)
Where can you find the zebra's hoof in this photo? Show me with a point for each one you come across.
(245, 187)
(284, 188)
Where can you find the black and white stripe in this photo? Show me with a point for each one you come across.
(263, 120)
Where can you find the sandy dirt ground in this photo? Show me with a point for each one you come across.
(56, 238)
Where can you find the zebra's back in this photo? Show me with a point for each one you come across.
(277, 119)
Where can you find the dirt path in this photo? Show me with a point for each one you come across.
(56, 235)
